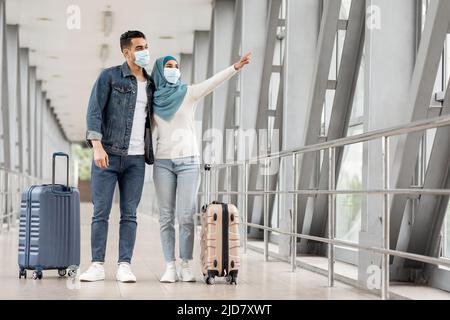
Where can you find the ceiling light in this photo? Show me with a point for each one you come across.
(44, 19)
(53, 57)
(56, 76)
(107, 23)
(166, 37)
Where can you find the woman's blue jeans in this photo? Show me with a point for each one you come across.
(176, 184)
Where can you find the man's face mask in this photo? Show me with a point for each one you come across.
(172, 75)
(142, 58)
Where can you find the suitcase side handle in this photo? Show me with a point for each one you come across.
(60, 154)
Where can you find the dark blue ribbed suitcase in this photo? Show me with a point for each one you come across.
(49, 234)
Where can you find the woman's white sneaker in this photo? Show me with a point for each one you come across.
(124, 273)
(170, 275)
(96, 272)
(186, 272)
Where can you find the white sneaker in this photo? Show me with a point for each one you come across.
(96, 272)
(124, 273)
(170, 276)
(186, 272)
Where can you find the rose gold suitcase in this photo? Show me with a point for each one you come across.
(219, 241)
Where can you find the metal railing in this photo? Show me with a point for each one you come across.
(386, 191)
(12, 183)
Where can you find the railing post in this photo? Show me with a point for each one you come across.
(9, 193)
(245, 205)
(2, 200)
(12, 206)
(202, 201)
(385, 221)
(331, 213)
(12, 196)
(266, 211)
(294, 212)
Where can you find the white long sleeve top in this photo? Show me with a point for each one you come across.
(177, 138)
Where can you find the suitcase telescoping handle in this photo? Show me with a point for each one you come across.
(207, 186)
(60, 154)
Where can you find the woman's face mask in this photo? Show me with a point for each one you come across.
(172, 75)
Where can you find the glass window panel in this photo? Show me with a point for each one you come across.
(358, 100)
(345, 9)
(340, 42)
(447, 61)
(283, 10)
(441, 76)
(348, 206)
(273, 90)
(237, 111)
(446, 242)
(430, 134)
(326, 114)
(270, 122)
(425, 6)
(333, 66)
(277, 57)
(439, 82)
(274, 221)
(2, 159)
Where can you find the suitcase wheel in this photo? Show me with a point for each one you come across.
(72, 272)
(62, 272)
(209, 280)
(232, 278)
(210, 277)
(37, 274)
(22, 273)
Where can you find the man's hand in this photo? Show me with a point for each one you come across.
(101, 159)
(244, 60)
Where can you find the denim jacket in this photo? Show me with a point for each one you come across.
(111, 110)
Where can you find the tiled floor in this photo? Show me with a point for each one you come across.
(349, 272)
(257, 279)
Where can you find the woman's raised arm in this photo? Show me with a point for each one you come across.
(202, 89)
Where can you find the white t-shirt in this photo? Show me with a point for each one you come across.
(137, 143)
(177, 138)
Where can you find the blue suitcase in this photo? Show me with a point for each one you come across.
(49, 234)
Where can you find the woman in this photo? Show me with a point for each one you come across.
(176, 171)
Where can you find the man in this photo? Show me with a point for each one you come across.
(117, 120)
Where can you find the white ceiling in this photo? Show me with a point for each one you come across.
(68, 61)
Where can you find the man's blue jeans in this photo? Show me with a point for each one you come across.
(129, 172)
(176, 182)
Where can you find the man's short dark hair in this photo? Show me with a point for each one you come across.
(125, 39)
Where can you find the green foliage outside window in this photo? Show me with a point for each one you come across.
(352, 202)
(84, 157)
(349, 210)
